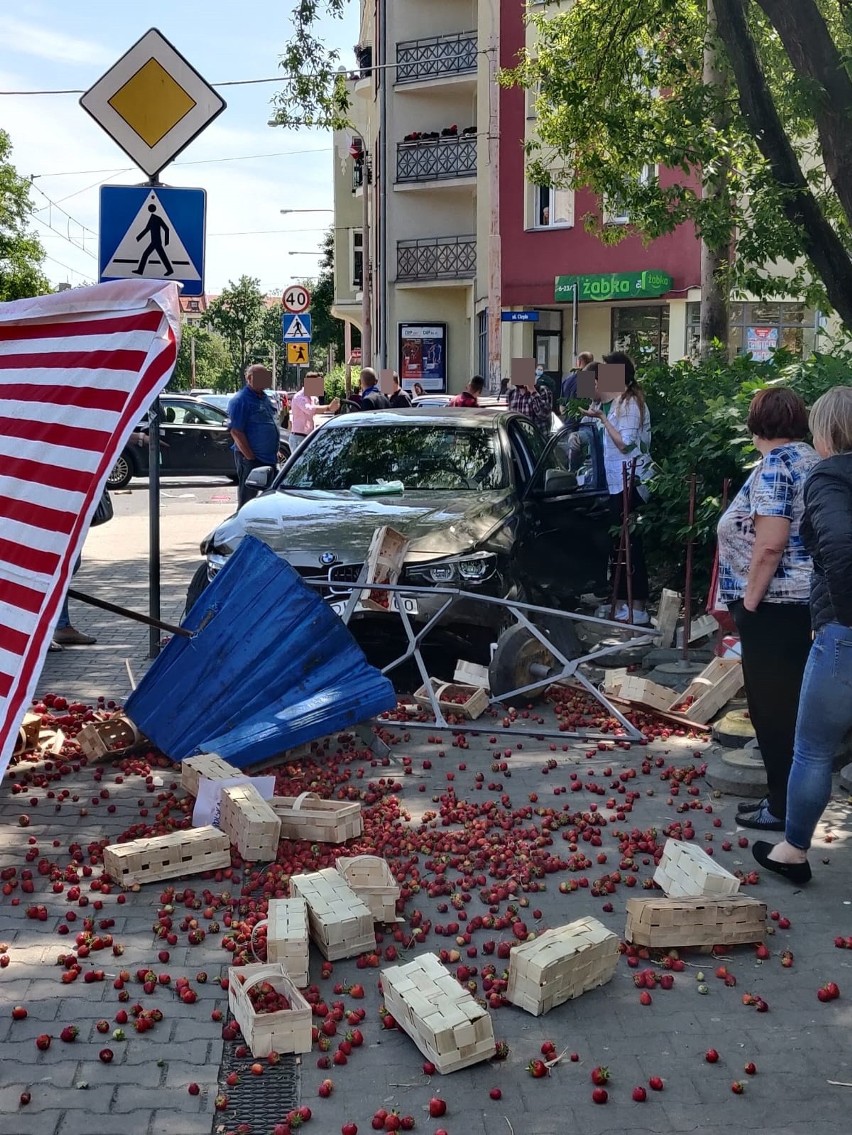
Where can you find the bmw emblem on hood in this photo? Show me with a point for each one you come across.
(328, 558)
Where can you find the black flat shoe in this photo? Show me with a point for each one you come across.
(797, 873)
(746, 806)
(761, 820)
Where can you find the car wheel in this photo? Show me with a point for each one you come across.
(121, 472)
(521, 659)
(197, 586)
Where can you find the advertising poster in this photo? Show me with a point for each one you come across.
(761, 342)
(423, 356)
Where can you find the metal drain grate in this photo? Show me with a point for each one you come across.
(261, 1101)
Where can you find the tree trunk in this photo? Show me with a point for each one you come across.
(714, 261)
(819, 240)
(814, 54)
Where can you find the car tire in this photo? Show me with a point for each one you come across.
(197, 586)
(121, 472)
(521, 659)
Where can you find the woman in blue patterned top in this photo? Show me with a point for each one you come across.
(765, 578)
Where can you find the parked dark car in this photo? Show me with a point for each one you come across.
(194, 442)
(489, 505)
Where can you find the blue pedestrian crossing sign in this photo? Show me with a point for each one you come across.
(153, 233)
(296, 328)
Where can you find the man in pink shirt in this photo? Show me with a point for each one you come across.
(302, 411)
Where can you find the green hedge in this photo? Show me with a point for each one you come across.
(698, 415)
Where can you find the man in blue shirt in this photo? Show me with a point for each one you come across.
(253, 428)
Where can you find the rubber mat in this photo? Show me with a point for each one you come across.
(261, 1101)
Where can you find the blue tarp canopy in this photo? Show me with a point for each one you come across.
(270, 667)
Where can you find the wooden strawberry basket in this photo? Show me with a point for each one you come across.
(371, 879)
(320, 821)
(287, 937)
(472, 703)
(385, 557)
(167, 856)
(107, 739)
(446, 1023)
(287, 1030)
(668, 923)
(341, 924)
(561, 964)
(207, 766)
(687, 871)
(28, 734)
(249, 822)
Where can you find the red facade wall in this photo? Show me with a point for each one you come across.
(532, 259)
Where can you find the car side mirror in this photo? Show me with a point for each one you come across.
(260, 478)
(559, 481)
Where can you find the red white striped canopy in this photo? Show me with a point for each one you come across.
(77, 371)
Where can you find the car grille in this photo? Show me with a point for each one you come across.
(332, 581)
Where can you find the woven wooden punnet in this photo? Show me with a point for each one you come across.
(640, 690)
(474, 705)
(287, 937)
(734, 921)
(288, 1030)
(207, 765)
(561, 964)
(167, 856)
(371, 879)
(28, 732)
(385, 557)
(444, 1021)
(250, 822)
(319, 821)
(687, 871)
(340, 922)
(109, 738)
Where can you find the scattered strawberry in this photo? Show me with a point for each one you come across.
(193, 1089)
(750, 1069)
(711, 1056)
(738, 1087)
(600, 1095)
(655, 1083)
(639, 1094)
(496, 1094)
(599, 1075)
(537, 1069)
(438, 1107)
(43, 1042)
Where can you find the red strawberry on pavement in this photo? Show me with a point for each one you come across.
(537, 1069)
(43, 1042)
(655, 1083)
(639, 1094)
(19, 1013)
(437, 1107)
(600, 1095)
(738, 1087)
(599, 1076)
(711, 1056)
(69, 1033)
(750, 1069)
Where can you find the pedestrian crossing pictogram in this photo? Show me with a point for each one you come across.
(156, 234)
(296, 328)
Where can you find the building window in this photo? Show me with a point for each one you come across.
(356, 259)
(615, 211)
(759, 329)
(642, 332)
(482, 344)
(192, 305)
(552, 208)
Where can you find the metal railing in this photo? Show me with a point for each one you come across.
(436, 258)
(436, 57)
(436, 159)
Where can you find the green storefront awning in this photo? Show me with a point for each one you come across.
(613, 286)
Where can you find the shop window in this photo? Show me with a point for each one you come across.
(552, 208)
(642, 332)
(356, 259)
(615, 212)
(759, 329)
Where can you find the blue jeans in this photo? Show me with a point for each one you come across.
(64, 619)
(825, 717)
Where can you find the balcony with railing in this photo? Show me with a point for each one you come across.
(436, 258)
(438, 57)
(436, 159)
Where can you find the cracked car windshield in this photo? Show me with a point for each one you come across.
(421, 457)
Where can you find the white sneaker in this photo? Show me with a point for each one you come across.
(640, 618)
(621, 613)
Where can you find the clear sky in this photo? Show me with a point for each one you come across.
(54, 44)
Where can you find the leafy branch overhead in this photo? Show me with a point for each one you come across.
(314, 93)
(619, 87)
(21, 252)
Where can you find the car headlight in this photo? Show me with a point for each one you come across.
(475, 568)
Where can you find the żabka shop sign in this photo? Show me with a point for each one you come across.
(613, 286)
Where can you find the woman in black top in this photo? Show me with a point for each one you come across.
(825, 705)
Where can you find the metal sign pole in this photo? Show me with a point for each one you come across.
(154, 525)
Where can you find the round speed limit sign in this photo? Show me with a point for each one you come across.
(296, 299)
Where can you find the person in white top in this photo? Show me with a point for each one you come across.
(627, 437)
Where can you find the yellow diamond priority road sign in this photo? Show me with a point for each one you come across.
(152, 102)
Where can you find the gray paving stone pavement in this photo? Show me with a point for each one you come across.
(798, 1046)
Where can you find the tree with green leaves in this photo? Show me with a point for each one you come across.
(327, 328)
(237, 315)
(21, 253)
(316, 93)
(742, 105)
(214, 366)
